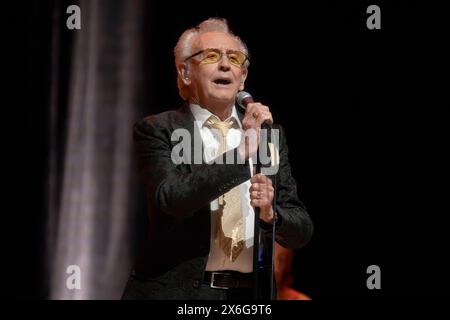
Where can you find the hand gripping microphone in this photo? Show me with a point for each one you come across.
(243, 98)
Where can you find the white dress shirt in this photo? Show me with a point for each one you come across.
(217, 259)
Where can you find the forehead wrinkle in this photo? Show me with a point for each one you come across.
(212, 42)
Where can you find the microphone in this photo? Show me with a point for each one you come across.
(243, 98)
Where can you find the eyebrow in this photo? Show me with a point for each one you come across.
(226, 51)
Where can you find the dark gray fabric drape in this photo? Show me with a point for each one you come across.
(92, 192)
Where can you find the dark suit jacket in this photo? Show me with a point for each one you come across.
(175, 253)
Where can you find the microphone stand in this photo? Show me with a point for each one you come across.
(272, 259)
(257, 293)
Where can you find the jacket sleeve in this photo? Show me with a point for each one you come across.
(294, 227)
(180, 190)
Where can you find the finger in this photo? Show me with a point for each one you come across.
(265, 186)
(260, 203)
(258, 195)
(261, 193)
(259, 177)
(255, 187)
(258, 107)
(251, 120)
(251, 108)
(258, 113)
(266, 192)
(264, 116)
(256, 178)
(255, 109)
(270, 195)
(257, 203)
(252, 105)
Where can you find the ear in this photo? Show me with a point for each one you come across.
(183, 73)
(243, 77)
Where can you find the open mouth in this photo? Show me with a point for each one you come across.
(222, 81)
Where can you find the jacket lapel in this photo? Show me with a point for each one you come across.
(185, 120)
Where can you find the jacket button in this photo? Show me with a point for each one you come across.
(196, 283)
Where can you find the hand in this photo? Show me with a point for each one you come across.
(255, 114)
(261, 195)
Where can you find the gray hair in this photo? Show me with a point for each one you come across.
(183, 49)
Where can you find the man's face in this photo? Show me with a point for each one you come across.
(216, 84)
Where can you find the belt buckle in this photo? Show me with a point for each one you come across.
(213, 275)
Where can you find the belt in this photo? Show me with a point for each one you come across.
(228, 279)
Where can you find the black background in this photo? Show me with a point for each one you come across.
(365, 123)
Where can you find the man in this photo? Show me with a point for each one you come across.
(200, 234)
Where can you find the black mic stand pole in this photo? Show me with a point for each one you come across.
(257, 293)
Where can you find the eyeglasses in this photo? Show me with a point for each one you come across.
(212, 55)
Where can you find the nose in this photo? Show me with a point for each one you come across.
(224, 64)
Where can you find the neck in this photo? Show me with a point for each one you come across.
(221, 111)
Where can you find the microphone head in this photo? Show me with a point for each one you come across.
(243, 98)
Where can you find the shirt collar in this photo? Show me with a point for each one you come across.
(202, 114)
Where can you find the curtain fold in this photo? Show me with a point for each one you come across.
(92, 191)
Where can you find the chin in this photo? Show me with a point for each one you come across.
(224, 99)
(224, 96)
